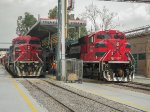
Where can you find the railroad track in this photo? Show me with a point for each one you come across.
(80, 95)
(106, 104)
(134, 86)
(70, 93)
(46, 93)
(70, 99)
(141, 87)
(142, 84)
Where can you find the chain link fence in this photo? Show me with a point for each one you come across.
(74, 70)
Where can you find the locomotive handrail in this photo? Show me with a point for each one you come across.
(17, 59)
(103, 58)
(39, 58)
(132, 57)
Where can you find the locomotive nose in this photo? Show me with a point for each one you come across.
(117, 50)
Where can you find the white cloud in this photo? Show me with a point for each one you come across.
(11, 9)
(135, 16)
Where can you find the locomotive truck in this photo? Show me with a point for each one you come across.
(25, 57)
(105, 53)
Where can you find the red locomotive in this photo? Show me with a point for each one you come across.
(106, 53)
(25, 56)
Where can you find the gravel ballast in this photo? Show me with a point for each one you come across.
(78, 102)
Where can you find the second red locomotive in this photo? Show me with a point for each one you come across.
(106, 53)
(25, 56)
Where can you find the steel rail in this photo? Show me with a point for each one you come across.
(86, 96)
(134, 86)
(71, 110)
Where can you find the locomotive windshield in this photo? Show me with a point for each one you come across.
(103, 36)
(116, 36)
(21, 42)
(34, 42)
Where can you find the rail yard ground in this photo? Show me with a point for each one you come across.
(88, 97)
(50, 95)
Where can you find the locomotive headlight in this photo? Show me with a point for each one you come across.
(28, 47)
(117, 44)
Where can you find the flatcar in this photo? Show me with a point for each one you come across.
(25, 57)
(106, 54)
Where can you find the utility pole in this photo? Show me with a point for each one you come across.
(62, 34)
(59, 40)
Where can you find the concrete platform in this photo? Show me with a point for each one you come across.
(137, 100)
(141, 79)
(14, 97)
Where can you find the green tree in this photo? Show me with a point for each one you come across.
(73, 33)
(53, 13)
(25, 23)
(107, 17)
(83, 31)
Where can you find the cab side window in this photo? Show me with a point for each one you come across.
(21, 42)
(91, 40)
(103, 36)
(116, 36)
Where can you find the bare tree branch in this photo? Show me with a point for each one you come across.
(91, 14)
(104, 17)
(107, 19)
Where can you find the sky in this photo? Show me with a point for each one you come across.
(131, 15)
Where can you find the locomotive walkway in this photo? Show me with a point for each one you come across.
(14, 97)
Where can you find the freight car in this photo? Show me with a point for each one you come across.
(25, 57)
(106, 54)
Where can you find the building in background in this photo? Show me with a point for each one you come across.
(140, 40)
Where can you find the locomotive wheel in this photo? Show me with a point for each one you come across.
(86, 73)
(42, 75)
(100, 76)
